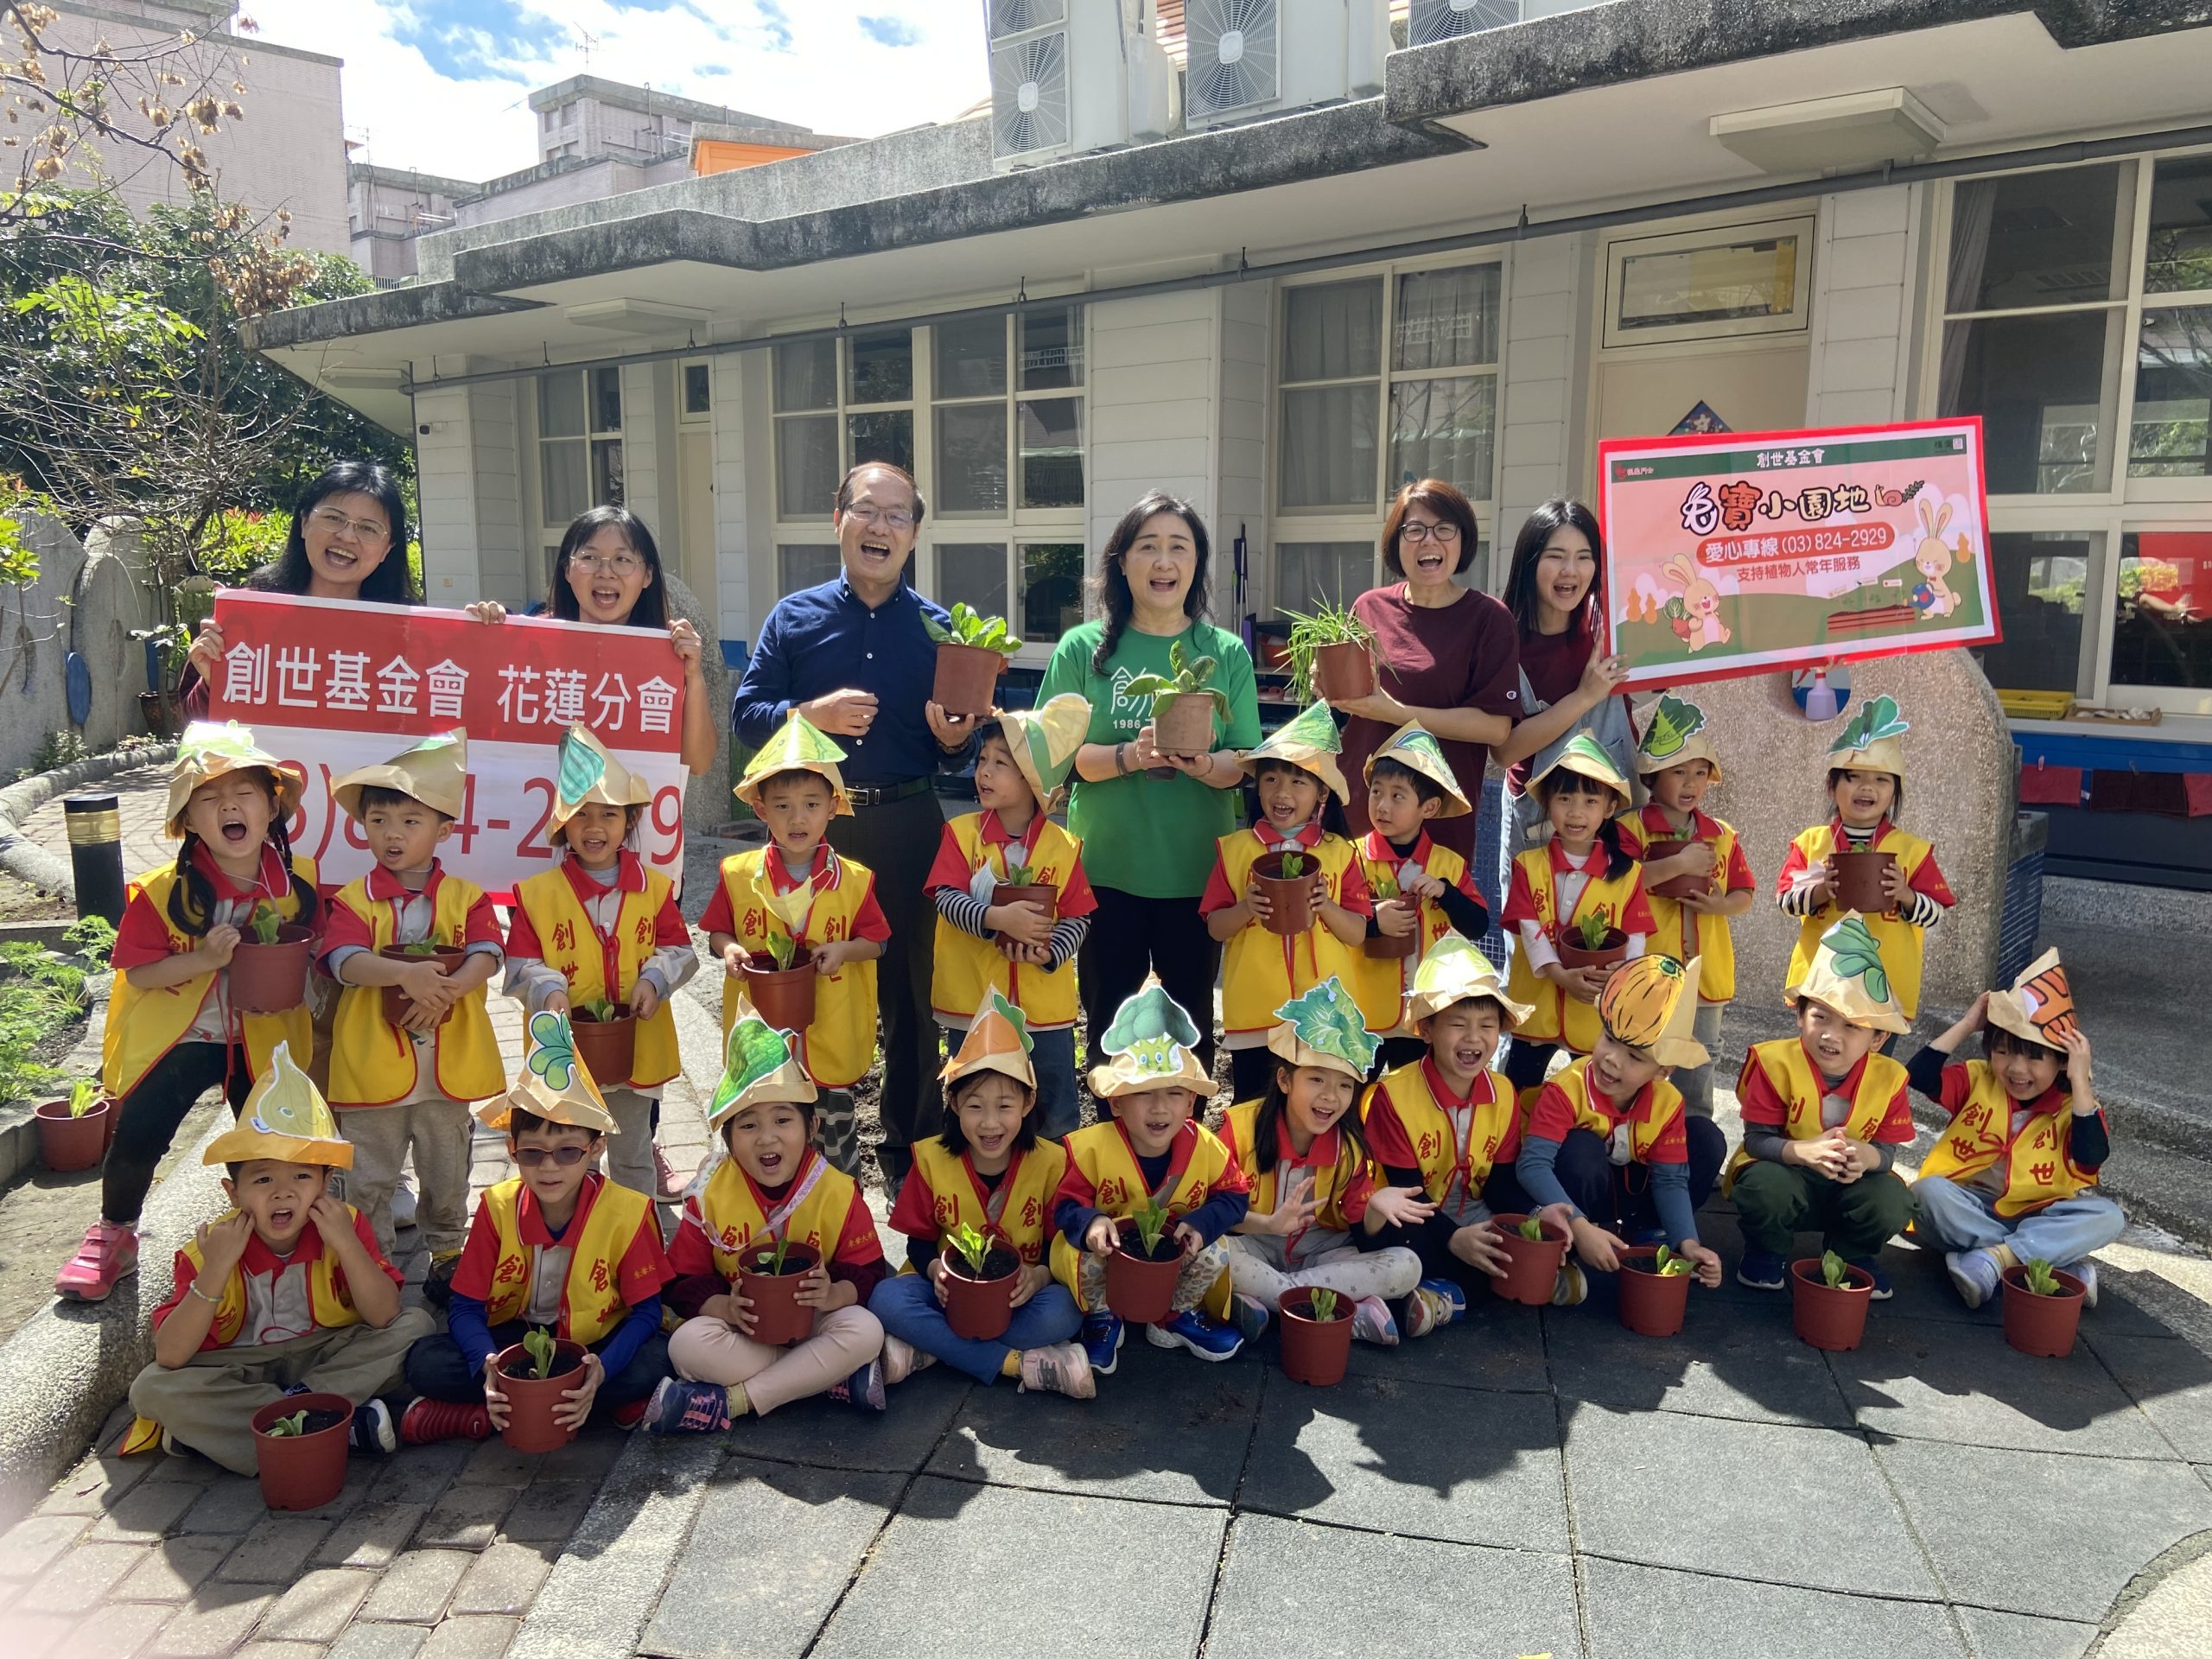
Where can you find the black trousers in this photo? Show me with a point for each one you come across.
(151, 1113)
(1617, 1196)
(1130, 937)
(437, 1370)
(897, 841)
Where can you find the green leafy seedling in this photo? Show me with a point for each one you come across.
(1152, 1222)
(1668, 1265)
(84, 1095)
(1532, 1228)
(974, 1247)
(771, 1261)
(1383, 888)
(1321, 1303)
(1331, 624)
(264, 922)
(1186, 677)
(599, 1011)
(286, 1428)
(538, 1343)
(420, 948)
(971, 627)
(1293, 867)
(1593, 928)
(783, 949)
(1834, 1270)
(2041, 1279)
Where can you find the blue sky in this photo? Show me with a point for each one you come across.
(442, 84)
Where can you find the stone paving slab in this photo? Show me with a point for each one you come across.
(1648, 1613)
(2172, 1382)
(824, 1431)
(2010, 1636)
(1499, 1345)
(1726, 1362)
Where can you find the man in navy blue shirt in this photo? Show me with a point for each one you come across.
(853, 657)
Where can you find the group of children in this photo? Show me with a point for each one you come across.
(1373, 1144)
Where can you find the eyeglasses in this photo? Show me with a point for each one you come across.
(622, 564)
(537, 1157)
(334, 522)
(890, 517)
(1418, 533)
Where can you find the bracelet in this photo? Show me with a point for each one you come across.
(194, 1288)
(1121, 759)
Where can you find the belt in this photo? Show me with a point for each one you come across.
(883, 794)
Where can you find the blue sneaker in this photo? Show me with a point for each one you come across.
(1974, 1273)
(863, 1390)
(1249, 1314)
(1209, 1338)
(1872, 1269)
(1762, 1270)
(1449, 1293)
(1101, 1343)
(681, 1408)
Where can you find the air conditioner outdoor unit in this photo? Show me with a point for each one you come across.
(1431, 20)
(1072, 76)
(1249, 58)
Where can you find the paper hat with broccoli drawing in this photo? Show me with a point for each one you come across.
(1651, 1003)
(997, 1040)
(1583, 755)
(1871, 741)
(760, 1064)
(1454, 971)
(798, 745)
(1150, 1044)
(1847, 974)
(286, 1117)
(1675, 734)
(553, 1084)
(2039, 1007)
(1043, 741)
(1413, 746)
(1310, 740)
(1325, 1029)
(587, 774)
(208, 751)
(433, 771)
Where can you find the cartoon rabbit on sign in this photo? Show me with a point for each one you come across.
(1695, 612)
(1934, 597)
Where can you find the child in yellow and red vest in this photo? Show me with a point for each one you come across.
(990, 1173)
(172, 1032)
(302, 1298)
(1017, 948)
(1584, 870)
(1866, 779)
(602, 928)
(1297, 775)
(405, 1087)
(801, 890)
(1430, 891)
(558, 1247)
(1677, 761)
(2014, 1179)
(772, 1189)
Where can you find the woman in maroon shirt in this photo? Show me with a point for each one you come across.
(1444, 655)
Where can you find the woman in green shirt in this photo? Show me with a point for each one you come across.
(1148, 821)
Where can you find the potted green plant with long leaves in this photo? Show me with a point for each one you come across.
(73, 1131)
(2043, 1309)
(980, 1275)
(1332, 655)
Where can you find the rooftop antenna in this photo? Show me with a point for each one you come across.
(590, 44)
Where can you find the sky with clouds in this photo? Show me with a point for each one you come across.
(443, 85)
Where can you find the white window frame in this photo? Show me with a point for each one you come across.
(686, 416)
(1797, 320)
(547, 537)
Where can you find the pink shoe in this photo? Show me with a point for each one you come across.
(108, 1255)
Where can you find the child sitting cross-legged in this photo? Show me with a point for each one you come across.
(987, 1181)
(2013, 1179)
(559, 1246)
(774, 1188)
(1149, 1153)
(286, 1293)
(1301, 1149)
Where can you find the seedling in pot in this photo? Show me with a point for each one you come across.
(769, 1262)
(1532, 1228)
(783, 950)
(1593, 928)
(2041, 1279)
(1383, 888)
(1293, 867)
(264, 922)
(538, 1343)
(420, 948)
(285, 1428)
(975, 1247)
(599, 1011)
(969, 627)
(1835, 1272)
(1152, 1222)
(1331, 624)
(1321, 1304)
(1187, 678)
(1668, 1265)
(84, 1095)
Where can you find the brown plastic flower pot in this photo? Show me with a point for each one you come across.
(397, 1002)
(1314, 1352)
(531, 1400)
(1343, 673)
(66, 1143)
(782, 996)
(271, 978)
(1531, 1265)
(1140, 1288)
(2043, 1325)
(1861, 882)
(1652, 1303)
(302, 1472)
(1396, 947)
(967, 677)
(608, 1048)
(1832, 1318)
(1611, 954)
(1182, 724)
(1675, 887)
(979, 1308)
(779, 1319)
(1029, 892)
(1290, 899)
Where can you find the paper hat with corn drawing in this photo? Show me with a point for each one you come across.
(1324, 1028)
(1583, 755)
(1454, 970)
(553, 1085)
(798, 745)
(1872, 741)
(1149, 1044)
(997, 1040)
(759, 1063)
(433, 771)
(285, 1116)
(2039, 1008)
(586, 773)
(208, 751)
(1847, 974)
(1309, 740)
(1675, 734)
(1044, 741)
(1651, 1003)
(1414, 747)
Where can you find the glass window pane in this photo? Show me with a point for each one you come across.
(888, 435)
(1446, 319)
(971, 461)
(1328, 447)
(2173, 426)
(1052, 590)
(607, 400)
(882, 367)
(806, 466)
(607, 472)
(560, 405)
(2041, 580)
(2038, 384)
(974, 572)
(698, 389)
(1331, 331)
(1721, 282)
(1051, 349)
(560, 468)
(2162, 633)
(970, 358)
(1445, 428)
(804, 566)
(2034, 239)
(1051, 452)
(1311, 574)
(806, 375)
(2179, 257)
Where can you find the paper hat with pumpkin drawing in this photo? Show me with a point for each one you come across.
(1847, 975)
(1676, 734)
(1324, 1028)
(1308, 740)
(433, 771)
(1043, 741)
(208, 751)
(554, 1084)
(1872, 741)
(1150, 1044)
(1651, 1003)
(1413, 746)
(1454, 971)
(798, 745)
(285, 1116)
(760, 1064)
(2039, 1008)
(587, 774)
(997, 1040)
(1583, 755)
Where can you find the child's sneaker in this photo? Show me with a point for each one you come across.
(426, 1422)
(628, 1417)
(2086, 1271)
(372, 1428)
(437, 1281)
(1210, 1339)
(109, 1254)
(1424, 1311)
(1762, 1270)
(1101, 1341)
(863, 1390)
(1872, 1269)
(901, 1359)
(1249, 1314)
(1371, 1322)
(1973, 1275)
(1450, 1294)
(681, 1408)
(1572, 1285)
(1060, 1369)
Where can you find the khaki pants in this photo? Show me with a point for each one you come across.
(630, 1149)
(438, 1130)
(708, 1349)
(208, 1402)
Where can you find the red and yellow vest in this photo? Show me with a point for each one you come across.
(1260, 970)
(372, 1063)
(968, 967)
(1025, 1218)
(1102, 1154)
(1331, 1179)
(591, 1304)
(1784, 1065)
(732, 1215)
(2037, 1170)
(327, 1299)
(1656, 1110)
(1380, 982)
(1558, 1017)
(1900, 941)
(571, 944)
(143, 1026)
(838, 1048)
(1711, 943)
(1493, 1116)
